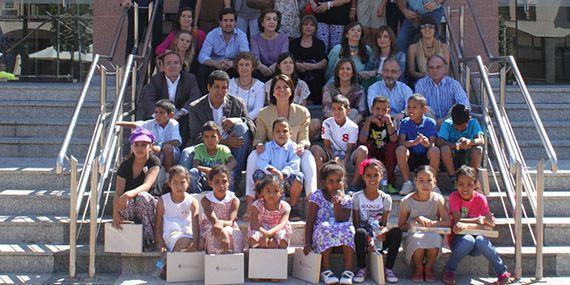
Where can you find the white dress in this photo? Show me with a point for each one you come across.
(177, 220)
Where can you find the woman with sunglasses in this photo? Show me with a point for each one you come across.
(426, 47)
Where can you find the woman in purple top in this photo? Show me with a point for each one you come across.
(269, 44)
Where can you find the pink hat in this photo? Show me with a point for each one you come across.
(141, 135)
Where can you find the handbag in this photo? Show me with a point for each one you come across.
(259, 4)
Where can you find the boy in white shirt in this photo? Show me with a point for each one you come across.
(339, 135)
(165, 129)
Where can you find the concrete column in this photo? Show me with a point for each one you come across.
(550, 59)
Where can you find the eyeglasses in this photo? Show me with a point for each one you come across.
(427, 26)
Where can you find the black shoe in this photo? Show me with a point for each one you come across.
(294, 216)
(148, 245)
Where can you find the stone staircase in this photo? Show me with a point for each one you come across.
(34, 202)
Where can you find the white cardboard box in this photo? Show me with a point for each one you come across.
(127, 240)
(307, 267)
(185, 266)
(224, 268)
(376, 267)
(265, 263)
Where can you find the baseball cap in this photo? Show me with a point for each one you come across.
(141, 135)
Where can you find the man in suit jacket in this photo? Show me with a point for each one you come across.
(175, 85)
(229, 113)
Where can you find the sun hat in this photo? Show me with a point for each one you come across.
(141, 135)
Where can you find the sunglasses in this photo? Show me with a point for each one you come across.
(427, 26)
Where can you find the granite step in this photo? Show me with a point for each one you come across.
(539, 94)
(36, 109)
(547, 111)
(31, 173)
(43, 127)
(34, 202)
(53, 91)
(42, 146)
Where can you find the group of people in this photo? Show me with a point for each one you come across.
(257, 121)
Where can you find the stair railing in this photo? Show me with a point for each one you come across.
(512, 165)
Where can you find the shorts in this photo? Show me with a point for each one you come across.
(259, 174)
(174, 237)
(366, 13)
(416, 160)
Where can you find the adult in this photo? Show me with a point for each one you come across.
(345, 82)
(413, 10)
(269, 44)
(184, 46)
(396, 91)
(206, 16)
(290, 17)
(371, 14)
(384, 47)
(332, 16)
(394, 17)
(221, 46)
(172, 83)
(426, 47)
(352, 46)
(229, 113)
(136, 179)
(249, 89)
(282, 106)
(311, 57)
(286, 65)
(246, 17)
(440, 90)
(184, 22)
(143, 16)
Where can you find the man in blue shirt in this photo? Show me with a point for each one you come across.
(417, 138)
(413, 10)
(397, 92)
(459, 137)
(440, 90)
(221, 46)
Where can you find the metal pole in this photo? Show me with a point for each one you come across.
(136, 24)
(462, 27)
(518, 220)
(103, 97)
(133, 86)
(539, 218)
(93, 217)
(467, 79)
(73, 217)
(503, 96)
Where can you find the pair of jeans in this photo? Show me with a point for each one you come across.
(391, 242)
(463, 245)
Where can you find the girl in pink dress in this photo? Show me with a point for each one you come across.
(269, 224)
(219, 227)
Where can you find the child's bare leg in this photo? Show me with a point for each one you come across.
(431, 255)
(272, 243)
(434, 158)
(418, 260)
(253, 243)
(181, 244)
(348, 253)
(325, 259)
(226, 241)
(447, 159)
(283, 244)
(320, 157)
(314, 128)
(360, 154)
(168, 155)
(296, 189)
(249, 200)
(476, 157)
(402, 155)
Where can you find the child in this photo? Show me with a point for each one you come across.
(208, 154)
(368, 206)
(165, 129)
(380, 136)
(279, 157)
(424, 208)
(219, 227)
(417, 137)
(269, 224)
(460, 137)
(339, 135)
(328, 224)
(469, 209)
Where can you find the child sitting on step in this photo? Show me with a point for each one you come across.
(269, 223)
(469, 210)
(219, 225)
(328, 224)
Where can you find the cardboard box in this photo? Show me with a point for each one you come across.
(127, 240)
(437, 230)
(267, 263)
(480, 232)
(376, 267)
(224, 268)
(185, 266)
(307, 267)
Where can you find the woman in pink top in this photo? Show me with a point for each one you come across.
(184, 21)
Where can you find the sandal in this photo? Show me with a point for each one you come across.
(448, 278)
(418, 275)
(328, 277)
(505, 278)
(346, 277)
(429, 274)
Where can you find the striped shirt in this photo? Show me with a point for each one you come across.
(398, 95)
(440, 98)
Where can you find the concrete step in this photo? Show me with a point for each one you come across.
(52, 91)
(556, 130)
(534, 150)
(539, 94)
(31, 258)
(34, 202)
(547, 111)
(42, 127)
(34, 229)
(555, 204)
(36, 109)
(31, 173)
(42, 146)
(556, 231)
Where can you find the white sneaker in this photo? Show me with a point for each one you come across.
(390, 276)
(407, 188)
(346, 277)
(360, 275)
(328, 277)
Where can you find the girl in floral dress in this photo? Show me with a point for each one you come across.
(219, 227)
(269, 224)
(328, 223)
